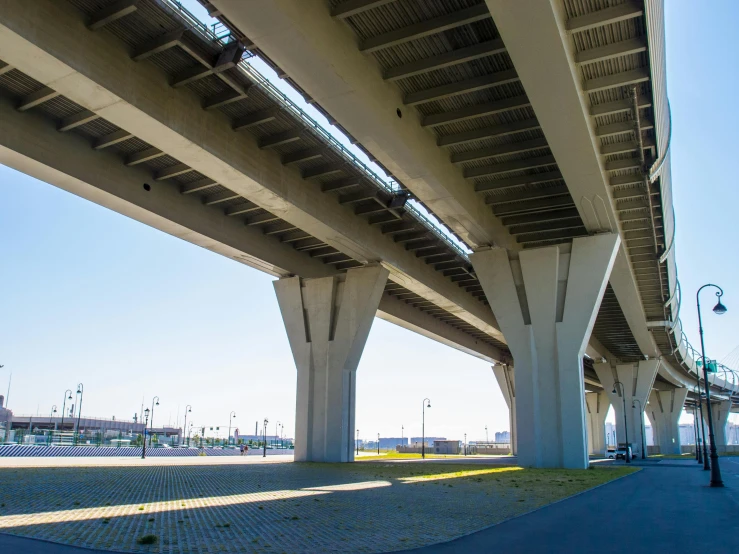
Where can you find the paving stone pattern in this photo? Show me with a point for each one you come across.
(284, 507)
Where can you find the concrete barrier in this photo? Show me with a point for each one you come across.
(28, 451)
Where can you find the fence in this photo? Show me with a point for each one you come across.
(25, 451)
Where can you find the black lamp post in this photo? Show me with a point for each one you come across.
(718, 309)
(702, 454)
(626, 427)
(151, 429)
(641, 428)
(143, 442)
(64, 406)
(465, 444)
(188, 410)
(487, 438)
(423, 426)
(264, 431)
(357, 442)
(695, 430)
(231, 416)
(80, 391)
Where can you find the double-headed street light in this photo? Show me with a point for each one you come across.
(231, 416)
(151, 429)
(143, 442)
(64, 406)
(426, 404)
(718, 309)
(626, 427)
(188, 410)
(80, 391)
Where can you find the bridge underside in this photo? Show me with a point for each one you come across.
(135, 106)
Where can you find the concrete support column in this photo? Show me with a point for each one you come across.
(506, 382)
(663, 410)
(637, 379)
(720, 413)
(597, 404)
(327, 322)
(545, 302)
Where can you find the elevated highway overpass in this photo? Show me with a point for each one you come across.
(535, 154)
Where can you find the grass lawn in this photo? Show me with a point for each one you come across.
(403, 456)
(543, 484)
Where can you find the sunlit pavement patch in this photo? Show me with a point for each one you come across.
(367, 507)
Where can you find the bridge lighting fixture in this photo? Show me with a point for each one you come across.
(143, 442)
(426, 404)
(627, 456)
(718, 309)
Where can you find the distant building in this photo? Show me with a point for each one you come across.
(687, 433)
(429, 440)
(391, 442)
(732, 433)
(503, 437)
(610, 434)
(446, 447)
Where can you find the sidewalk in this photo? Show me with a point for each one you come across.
(663, 508)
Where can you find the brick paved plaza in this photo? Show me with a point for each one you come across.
(246, 505)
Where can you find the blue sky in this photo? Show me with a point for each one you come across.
(93, 297)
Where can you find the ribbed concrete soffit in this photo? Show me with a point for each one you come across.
(136, 132)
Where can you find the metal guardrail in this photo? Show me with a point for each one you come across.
(252, 73)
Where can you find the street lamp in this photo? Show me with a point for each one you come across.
(276, 434)
(80, 391)
(188, 434)
(231, 416)
(641, 428)
(188, 410)
(487, 439)
(465, 444)
(378, 444)
(402, 438)
(423, 426)
(357, 442)
(718, 309)
(151, 429)
(143, 442)
(626, 427)
(264, 430)
(64, 405)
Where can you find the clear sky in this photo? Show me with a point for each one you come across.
(93, 297)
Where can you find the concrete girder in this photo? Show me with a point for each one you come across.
(425, 28)
(320, 54)
(76, 120)
(447, 59)
(111, 13)
(536, 36)
(30, 143)
(49, 41)
(621, 12)
(349, 8)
